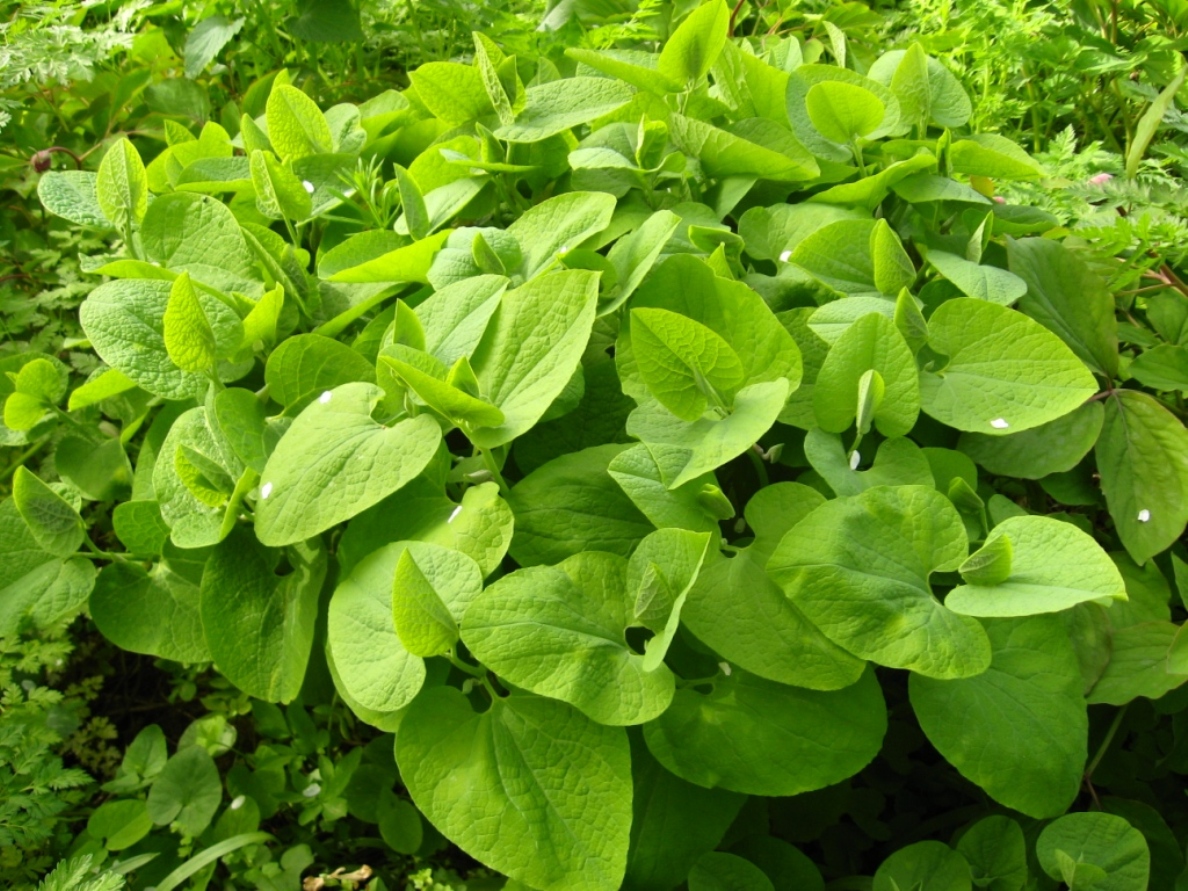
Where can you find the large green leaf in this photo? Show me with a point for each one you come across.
(1067, 296)
(872, 343)
(452, 92)
(184, 232)
(1000, 372)
(125, 321)
(1053, 567)
(557, 226)
(996, 852)
(122, 187)
(1055, 447)
(296, 126)
(154, 611)
(839, 256)
(572, 504)
(370, 660)
(531, 787)
(898, 462)
(686, 365)
(187, 791)
(806, 77)
(754, 148)
(843, 112)
(685, 451)
(1020, 729)
(560, 631)
(480, 526)
(719, 871)
(431, 592)
(1142, 456)
(193, 479)
(1141, 663)
(530, 349)
(336, 461)
(686, 285)
(561, 105)
(977, 280)
(762, 738)
(189, 339)
(307, 365)
(673, 822)
(1117, 854)
(72, 195)
(859, 567)
(259, 625)
(455, 317)
(53, 521)
(691, 505)
(927, 864)
(738, 611)
(690, 52)
(932, 94)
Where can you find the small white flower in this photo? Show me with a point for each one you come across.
(265, 491)
(1144, 516)
(312, 790)
(308, 186)
(454, 515)
(238, 802)
(999, 424)
(855, 460)
(325, 397)
(785, 256)
(726, 669)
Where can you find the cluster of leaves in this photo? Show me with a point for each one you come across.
(683, 454)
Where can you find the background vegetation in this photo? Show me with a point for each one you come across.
(309, 792)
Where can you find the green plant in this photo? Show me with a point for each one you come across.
(682, 454)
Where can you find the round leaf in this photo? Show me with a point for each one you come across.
(754, 736)
(858, 568)
(1020, 729)
(1117, 850)
(1001, 372)
(1053, 566)
(559, 631)
(530, 787)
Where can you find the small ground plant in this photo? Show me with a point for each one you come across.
(676, 466)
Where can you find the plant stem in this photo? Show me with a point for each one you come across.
(1105, 743)
(459, 663)
(755, 453)
(491, 465)
(22, 458)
